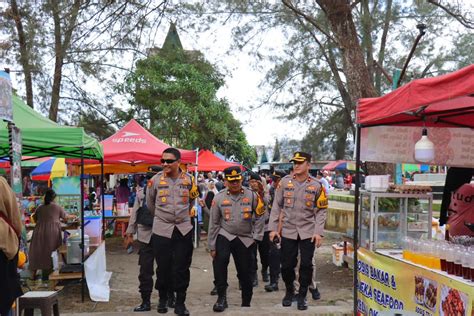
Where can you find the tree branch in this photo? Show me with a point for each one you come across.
(308, 18)
(461, 19)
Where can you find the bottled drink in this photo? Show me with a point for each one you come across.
(457, 262)
(442, 256)
(471, 263)
(465, 260)
(406, 247)
(450, 260)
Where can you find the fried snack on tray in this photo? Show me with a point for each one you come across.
(430, 296)
(453, 304)
(419, 289)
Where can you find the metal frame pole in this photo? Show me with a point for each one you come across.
(196, 202)
(356, 218)
(102, 188)
(82, 224)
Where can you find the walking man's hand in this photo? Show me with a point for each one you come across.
(317, 239)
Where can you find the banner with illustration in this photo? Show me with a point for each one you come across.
(396, 144)
(387, 284)
(15, 171)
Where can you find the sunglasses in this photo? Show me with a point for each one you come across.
(233, 181)
(168, 161)
(298, 162)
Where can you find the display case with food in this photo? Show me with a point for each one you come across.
(389, 217)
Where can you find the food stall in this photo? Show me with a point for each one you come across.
(397, 267)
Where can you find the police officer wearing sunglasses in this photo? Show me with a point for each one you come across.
(301, 200)
(233, 227)
(170, 198)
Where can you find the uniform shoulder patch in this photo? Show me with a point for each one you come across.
(322, 201)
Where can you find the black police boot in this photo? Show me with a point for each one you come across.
(171, 300)
(288, 298)
(302, 303)
(180, 309)
(246, 299)
(315, 294)
(145, 306)
(272, 287)
(255, 280)
(214, 291)
(265, 277)
(221, 303)
(162, 305)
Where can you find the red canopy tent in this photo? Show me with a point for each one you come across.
(207, 161)
(134, 145)
(444, 101)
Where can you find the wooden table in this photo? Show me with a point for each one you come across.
(57, 276)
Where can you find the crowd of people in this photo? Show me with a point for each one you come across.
(278, 217)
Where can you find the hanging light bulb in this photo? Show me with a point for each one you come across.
(424, 148)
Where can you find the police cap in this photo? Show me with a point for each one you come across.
(233, 173)
(301, 156)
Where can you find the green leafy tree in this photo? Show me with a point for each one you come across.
(65, 47)
(336, 52)
(175, 91)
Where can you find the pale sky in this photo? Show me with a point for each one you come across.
(261, 125)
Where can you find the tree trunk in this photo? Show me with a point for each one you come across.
(24, 58)
(341, 145)
(60, 47)
(342, 25)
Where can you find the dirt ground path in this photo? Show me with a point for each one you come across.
(335, 285)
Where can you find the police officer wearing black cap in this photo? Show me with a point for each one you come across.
(141, 222)
(263, 242)
(298, 197)
(274, 250)
(232, 229)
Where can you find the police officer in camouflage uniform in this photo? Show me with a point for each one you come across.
(233, 228)
(303, 206)
(170, 199)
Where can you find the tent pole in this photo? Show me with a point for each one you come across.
(356, 217)
(102, 189)
(82, 223)
(196, 202)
